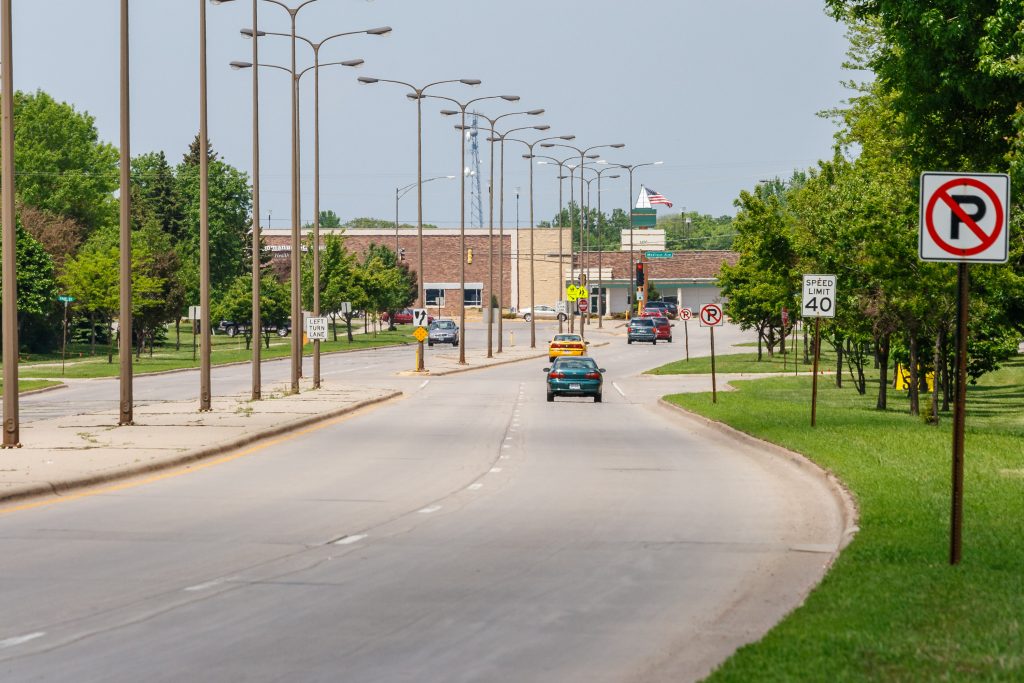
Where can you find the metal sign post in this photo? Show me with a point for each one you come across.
(686, 314)
(711, 317)
(819, 302)
(965, 219)
(64, 343)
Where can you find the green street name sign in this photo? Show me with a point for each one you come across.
(657, 254)
(66, 299)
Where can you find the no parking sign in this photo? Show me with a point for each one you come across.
(964, 217)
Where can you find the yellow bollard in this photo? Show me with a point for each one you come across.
(511, 338)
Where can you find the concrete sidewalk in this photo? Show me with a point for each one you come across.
(82, 450)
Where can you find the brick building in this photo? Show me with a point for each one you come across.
(690, 276)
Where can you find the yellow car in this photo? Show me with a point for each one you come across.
(566, 345)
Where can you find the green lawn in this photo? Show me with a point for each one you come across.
(224, 349)
(32, 384)
(892, 608)
(747, 362)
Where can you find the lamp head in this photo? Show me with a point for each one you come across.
(366, 80)
(354, 63)
(241, 65)
(543, 126)
(470, 81)
(448, 112)
(593, 156)
(247, 33)
(535, 112)
(566, 137)
(510, 98)
(618, 145)
(381, 31)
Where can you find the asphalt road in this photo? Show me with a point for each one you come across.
(468, 532)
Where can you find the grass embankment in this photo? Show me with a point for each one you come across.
(223, 349)
(32, 384)
(747, 362)
(891, 608)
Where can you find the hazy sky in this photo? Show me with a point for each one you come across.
(724, 91)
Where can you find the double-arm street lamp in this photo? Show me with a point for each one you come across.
(500, 137)
(417, 93)
(402, 191)
(533, 256)
(463, 129)
(12, 427)
(315, 46)
(493, 122)
(583, 152)
(561, 249)
(629, 207)
(600, 247)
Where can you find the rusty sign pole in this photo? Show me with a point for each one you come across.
(714, 385)
(959, 416)
(814, 379)
(686, 337)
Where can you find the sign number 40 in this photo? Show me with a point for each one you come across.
(819, 296)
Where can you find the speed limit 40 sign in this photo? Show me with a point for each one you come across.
(819, 296)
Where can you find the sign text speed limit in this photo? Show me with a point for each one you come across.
(819, 296)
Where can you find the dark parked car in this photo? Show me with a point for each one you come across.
(641, 329)
(662, 328)
(443, 332)
(233, 329)
(574, 376)
(663, 308)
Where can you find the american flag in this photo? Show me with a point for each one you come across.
(657, 198)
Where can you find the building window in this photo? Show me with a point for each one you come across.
(434, 297)
(473, 297)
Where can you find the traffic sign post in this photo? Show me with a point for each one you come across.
(63, 298)
(686, 314)
(819, 302)
(965, 218)
(785, 322)
(711, 317)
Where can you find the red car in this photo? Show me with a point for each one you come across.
(404, 317)
(662, 327)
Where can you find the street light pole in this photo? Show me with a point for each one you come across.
(204, 223)
(124, 319)
(533, 301)
(417, 94)
(561, 249)
(462, 128)
(490, 232)
(600, 250)
(12, 434)
(402, 191)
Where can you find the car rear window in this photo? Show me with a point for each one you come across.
(567, 338)
(575, 363)
(661, 320)
(642, 322)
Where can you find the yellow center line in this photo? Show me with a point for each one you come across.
(176, 471)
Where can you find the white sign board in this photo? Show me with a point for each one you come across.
(316, 329)
(685, 314)
(346, 307)
(711, 315)
(419, 317)
(965, 218)
(194, 313)
(561, 307)
(819, 296)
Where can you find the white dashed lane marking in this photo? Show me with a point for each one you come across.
(349, 540)
(20, 640)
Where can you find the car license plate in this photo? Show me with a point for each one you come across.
(574, 387)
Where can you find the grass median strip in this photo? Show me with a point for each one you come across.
(891, 608)
(223, 350)
(33, 384)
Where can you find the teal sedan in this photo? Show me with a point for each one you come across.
(574, 376)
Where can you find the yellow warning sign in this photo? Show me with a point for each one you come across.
(421, 334)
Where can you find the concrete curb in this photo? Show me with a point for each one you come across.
(56, 488)
(43, 390)
(844, 497)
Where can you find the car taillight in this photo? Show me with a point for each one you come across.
(592, 375)
(556, 375)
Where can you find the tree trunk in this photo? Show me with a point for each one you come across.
(348, 324)
(912, 387)
(760, 337)
(110, 341)
(882, 358)
(839, 361)
(947, 388)
(92, 333)
(936, 359)
(807, 358)
(177, 333)
(334, 326)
